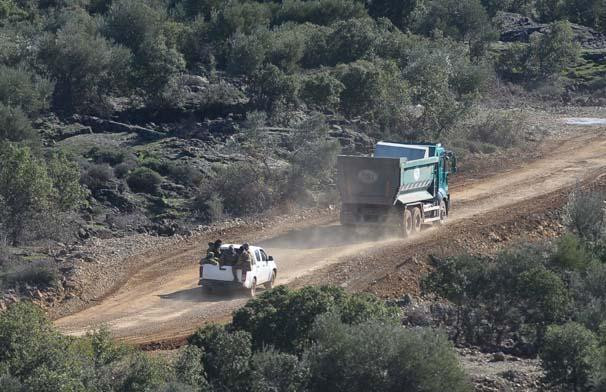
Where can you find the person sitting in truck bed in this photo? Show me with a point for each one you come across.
(244, 261)
(211, 259)
(229, 256)
(215, 247)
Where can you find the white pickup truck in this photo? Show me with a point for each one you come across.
(264, 272)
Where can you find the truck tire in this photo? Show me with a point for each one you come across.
(417, 219)
(407, 223)
(270, 285)
(253, 288)
(443, 212)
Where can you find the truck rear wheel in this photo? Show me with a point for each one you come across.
(417, 219)
(253, 288)
(407, 223)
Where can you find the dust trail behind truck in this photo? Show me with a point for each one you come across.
(402, 186)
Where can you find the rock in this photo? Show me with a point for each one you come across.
(518, 28)
(38, 294)
(498, 357)
(99, 125)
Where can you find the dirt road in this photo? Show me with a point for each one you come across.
(161, 302)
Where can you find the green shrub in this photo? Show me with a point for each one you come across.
(97, 177)
(15, 126)
(516, 293)
(462, 20)
(381, 357)
(37, 274)
(282, 318)
(246, 53)
(570, 253)
(322, 90)
(353, 40)
(320, 12)
(144, 180)
(87, 67)
(111, 156)
(276, 371)
(226, 357)
(22, 88)
(189, 368)
(271, 88)
(25, 188)
(209, 208)
(238, 17)
(585, 214)
(567, 355)
(500, 129)
(132, 23)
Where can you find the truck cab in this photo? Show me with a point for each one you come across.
(400, 185)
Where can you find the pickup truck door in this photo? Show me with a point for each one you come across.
(262, 268)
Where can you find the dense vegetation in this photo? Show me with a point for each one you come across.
(339, 342)
(545, 300)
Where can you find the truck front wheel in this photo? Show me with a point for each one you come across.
(407, 224)
(443, 212)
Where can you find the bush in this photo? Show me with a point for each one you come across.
(246, 53)
(15, 126)
(570, 253)
(36, 274)
(238, 17)
(462, 20)
(370, 87)
(87, 68)
(322, 90)
(353, 40)
(282, 318)
(546, 56)
(144, 180)
(381, 357)
(585, 214)
(209, 208)
(567, 355)
(272, 88)
(319, 12)
(22, 88)
(244, 188)
(25, 188)
(516, 294)
(276, 371)
(65, 175)
(500, 129)
(97, 177)
(111, 156)
(226, 357)
(189, 369)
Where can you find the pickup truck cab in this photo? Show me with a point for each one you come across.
(264, 272)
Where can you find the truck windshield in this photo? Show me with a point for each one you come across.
(393, 150)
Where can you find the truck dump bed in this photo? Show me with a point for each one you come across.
(368, 180)
(382, 181)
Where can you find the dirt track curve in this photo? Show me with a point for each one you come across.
(161, 302)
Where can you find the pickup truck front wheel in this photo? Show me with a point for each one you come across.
(253, 288)
(270, 285)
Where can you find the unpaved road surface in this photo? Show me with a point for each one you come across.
(162, 302)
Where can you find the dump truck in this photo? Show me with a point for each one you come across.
(400, 186)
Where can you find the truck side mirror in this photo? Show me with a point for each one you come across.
(270, 258)
(453, 162)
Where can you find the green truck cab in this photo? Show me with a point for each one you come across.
(400, 185)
